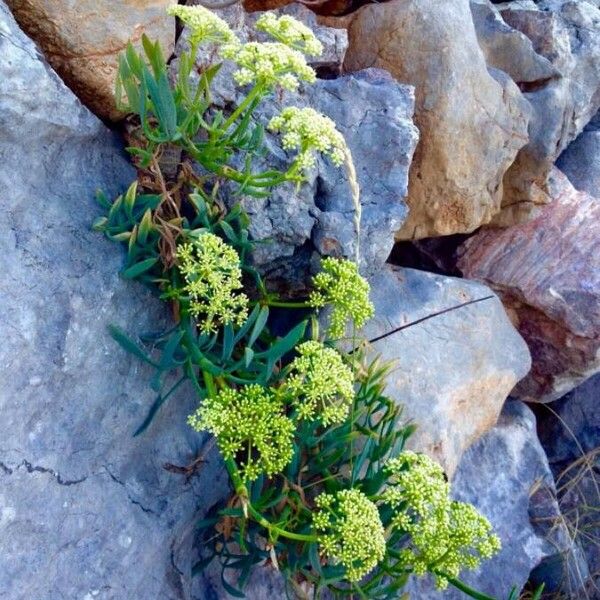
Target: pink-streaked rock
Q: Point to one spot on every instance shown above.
(547, 272)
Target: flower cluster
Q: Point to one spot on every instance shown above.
(350, 531)
(340, 284)
(320, 384)
(212, 274)
(291, 32)
(269, 64)
(251, 428)
(204, 25)
(445, 536)
(310, 132)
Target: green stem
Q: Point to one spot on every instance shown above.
(283, 304)
(299, 537)
(463, 587)
(254, 93)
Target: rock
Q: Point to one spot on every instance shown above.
(86, 510)
(455, 356)
(580, 162)
(456, 175)
(509, 50)
(547, 272)
(506, 476)
(570, 433)
(82, 40)
(567, 34)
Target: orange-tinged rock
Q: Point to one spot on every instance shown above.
(82, 40)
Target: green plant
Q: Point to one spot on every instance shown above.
(322, 488)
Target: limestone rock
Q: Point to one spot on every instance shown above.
(547, 272)
(455, 356)
(567, 34)
(580, 162)
(86, 511)
(471, 122)
(506, 476)
(82, 40)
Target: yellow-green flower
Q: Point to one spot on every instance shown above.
(309, 132)
(269, 64)
(251, 428)
(212, 274)
(340, 285)
(321, 385)
(350, 531)
(444, 535)
(204, 25)
(291, 32)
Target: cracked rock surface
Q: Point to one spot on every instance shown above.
(86, 511)
(454, 353)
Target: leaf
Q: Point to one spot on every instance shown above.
(139, 268)
(201, 565)
(146, 226)
(248, 356)
(129, 345)
(158, 402)
(285, 344)
(229, 588)
(249, 321)
(228, 339)
(163, 102)
(259, 325)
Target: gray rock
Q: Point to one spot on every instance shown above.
(570, 433)
(567, 34)
(580, 162)
(506, 476)
(455, 356)
(507, 49)
(86, 511)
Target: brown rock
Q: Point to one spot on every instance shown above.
(82, 40)
(547, 272)
(472, 121)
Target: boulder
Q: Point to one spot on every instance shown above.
(567, 34)
(506, 476)
(374, 112)
(508, 49)
(472, 121)
(82, 40)
(86, 510)
(580, 162)
(547, 272)
(455, 356)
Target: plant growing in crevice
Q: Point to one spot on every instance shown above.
(322, 488)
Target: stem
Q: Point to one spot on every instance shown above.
(254, 92)
(299, 537)
(283, 304)
(463, 587)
